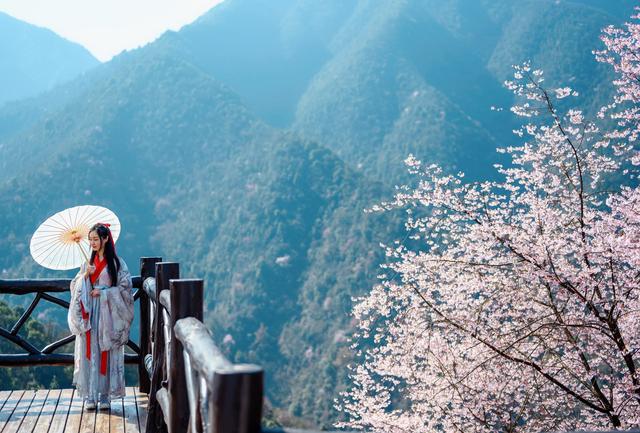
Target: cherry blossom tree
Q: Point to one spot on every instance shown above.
(516, 307)
(622, 53)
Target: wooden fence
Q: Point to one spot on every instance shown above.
(203, 391)
(45, 290)
(192, 387)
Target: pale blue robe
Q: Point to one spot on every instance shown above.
(110, 317)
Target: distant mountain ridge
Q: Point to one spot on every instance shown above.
(255, 211)
(342, 72)
(247, 145)
(34, 59)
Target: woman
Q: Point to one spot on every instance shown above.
(100, 315)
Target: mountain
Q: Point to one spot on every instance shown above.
(247, 145)
(375, 84)
(267, 51)
(420, 77)
(120, 126)
(195, 177)
(370, 79)
(302, 247)
(34, 59)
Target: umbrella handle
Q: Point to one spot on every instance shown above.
(83, 252)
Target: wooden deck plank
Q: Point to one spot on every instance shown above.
(116, 421)
(131, 423)
(142, 402)
(62, 411)
(48, 409)
(13, 423)
(74, 418)
(31, 419)
(102, 421)
(9, 406)
(4, 395)
(88, 421)
(59, 419)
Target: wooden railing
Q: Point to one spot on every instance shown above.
(44, 290)
(192, 387)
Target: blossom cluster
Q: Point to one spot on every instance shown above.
(516, 307)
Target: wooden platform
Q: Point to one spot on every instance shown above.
(61, 410)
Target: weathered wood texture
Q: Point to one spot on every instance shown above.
(147, 270)
(164, 298)
(131, 421)
(26, 286)
(186, 301)
(235, 392)
(296, 430)
(192, 386)
(45, 356)
(61, 411)
(23, 360)
(165, 271)
(149, 286)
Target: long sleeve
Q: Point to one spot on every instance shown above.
(77, 325)
(116, 311)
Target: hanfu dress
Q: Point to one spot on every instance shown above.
(101, 325)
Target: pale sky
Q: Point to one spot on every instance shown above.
(107, 27)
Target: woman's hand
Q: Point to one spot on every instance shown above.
(95, 293)
(90, 270)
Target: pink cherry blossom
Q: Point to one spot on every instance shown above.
(514, 305)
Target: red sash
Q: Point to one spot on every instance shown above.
(100, 265)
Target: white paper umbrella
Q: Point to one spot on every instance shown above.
(61, 241)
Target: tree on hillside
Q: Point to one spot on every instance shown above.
(519, 308)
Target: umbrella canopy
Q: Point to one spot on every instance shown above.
(61, 241)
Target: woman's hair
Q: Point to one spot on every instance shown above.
(113, 263)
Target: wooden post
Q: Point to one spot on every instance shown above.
(186, 301)
(147, 269)
(165, 271)
(235, 402)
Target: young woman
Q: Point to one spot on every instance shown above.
(100, 315)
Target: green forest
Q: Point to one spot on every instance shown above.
(248, 145)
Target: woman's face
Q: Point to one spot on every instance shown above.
(95, 242)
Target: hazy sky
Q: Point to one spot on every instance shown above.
(106, 27)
